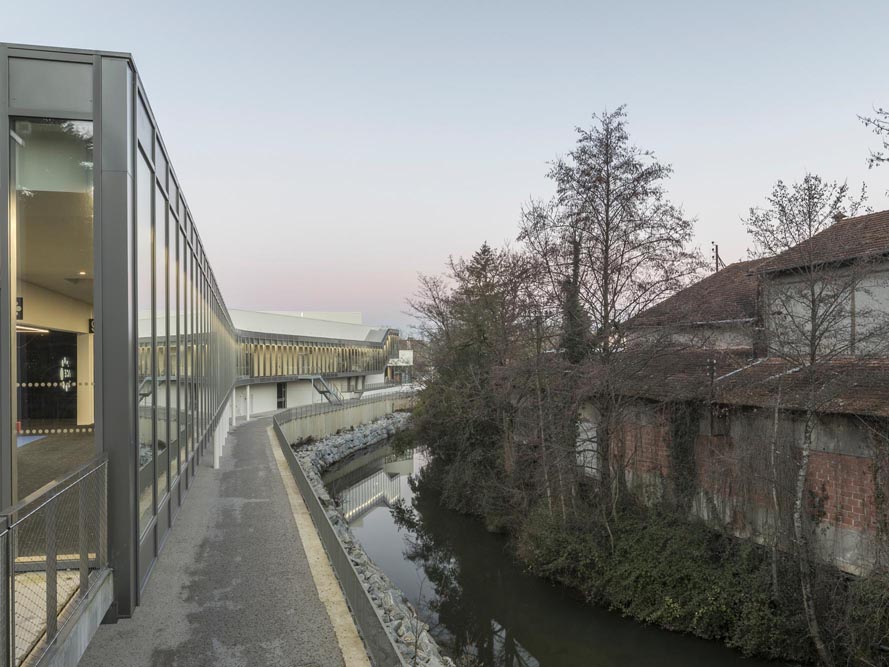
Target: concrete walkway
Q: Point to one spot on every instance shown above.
(232, 586)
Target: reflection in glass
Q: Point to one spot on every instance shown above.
(173, 348)
(144, 129)
(160, 337)
(189, 373)
(192, 363)
(181, 356)
(51, 173)
(146, 375)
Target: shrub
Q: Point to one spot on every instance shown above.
(669, 572)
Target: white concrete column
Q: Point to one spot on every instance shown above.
(248, 402)
(85, 378)
(217, 446)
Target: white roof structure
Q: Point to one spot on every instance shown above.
(349, 317)
(286, 324)
(307, 327)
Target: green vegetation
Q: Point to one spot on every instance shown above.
(675, 574)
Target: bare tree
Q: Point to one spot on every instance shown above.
(795, 213)
(611, 244)
(879, 124)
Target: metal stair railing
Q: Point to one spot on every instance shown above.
(327, 391)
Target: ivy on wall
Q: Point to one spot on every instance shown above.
(685, 420)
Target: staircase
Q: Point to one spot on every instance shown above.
(327, 391)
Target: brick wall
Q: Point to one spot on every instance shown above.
(735, 473)
(843, 489)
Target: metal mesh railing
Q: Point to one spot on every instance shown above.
(55, 548)
(377, 386)
(291, 414)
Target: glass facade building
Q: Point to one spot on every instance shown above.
(115, 341)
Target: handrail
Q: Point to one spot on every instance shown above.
(301, 411)
(55, 488)
(327, 390)
(377, 386)
(53, 550)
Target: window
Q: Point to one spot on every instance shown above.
(282, 395)
(162, 403)
(146, 375)
(51, 174)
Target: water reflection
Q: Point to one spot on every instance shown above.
(474, 597)
(374, 480)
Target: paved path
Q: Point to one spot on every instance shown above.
(232, 586)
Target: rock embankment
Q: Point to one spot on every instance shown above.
(410, 634)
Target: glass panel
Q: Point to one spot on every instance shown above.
(198, 369)
(52, 215)
(202, 289)
(174, 349)
(50, 85)
(183, 347)
(186, 347)
(144, 129)
(160, 165)
(174, 195)
(160, 303)
(146, 375)
(192, 355)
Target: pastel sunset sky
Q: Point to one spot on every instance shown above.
(330, 151)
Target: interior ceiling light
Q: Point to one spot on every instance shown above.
(83, 273)
(21, 328)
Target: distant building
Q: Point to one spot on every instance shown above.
(721, 311)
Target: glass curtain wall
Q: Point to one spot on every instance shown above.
(146, 372)
(51, 208)
(162, 437)
(187, 347)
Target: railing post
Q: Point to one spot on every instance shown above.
(11, 547)
(102, 541)
(5, 607)
(52, 580)
(83, 538)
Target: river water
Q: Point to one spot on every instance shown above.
(474, 596)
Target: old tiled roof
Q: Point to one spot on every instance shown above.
(864, 236)
(668, 373)
(729, 294)
(845, 386)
